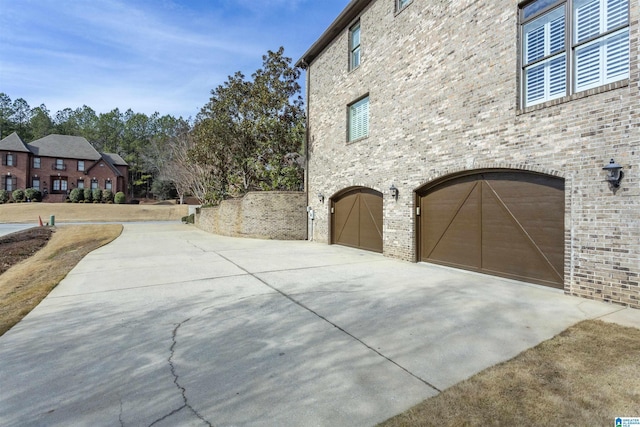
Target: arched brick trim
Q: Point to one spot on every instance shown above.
(345, 190)
(448, 174)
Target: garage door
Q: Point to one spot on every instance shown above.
(356, 219)
(509, 224)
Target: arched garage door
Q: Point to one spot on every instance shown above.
(504, 223)
(356, 219)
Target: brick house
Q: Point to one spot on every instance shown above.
(56, 164)
(474, 135)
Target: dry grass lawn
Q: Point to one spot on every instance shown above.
(586, 376)
(89, 212)
(25, 284)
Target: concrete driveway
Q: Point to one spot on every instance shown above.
(169, 325)
(13, 228)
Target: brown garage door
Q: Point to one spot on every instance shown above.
(356, 219)
(509, 224)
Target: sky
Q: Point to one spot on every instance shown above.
(150, 56)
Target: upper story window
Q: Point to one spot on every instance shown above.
(81, 165)
(354, 46)
(359, 119)
(561, 55)
(59, 165)
(9, 160)
(36, 162)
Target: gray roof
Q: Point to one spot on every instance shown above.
(64, 146)
(13, 143)
(114, 159)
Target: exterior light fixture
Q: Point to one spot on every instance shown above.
(394, 191)
(614, 174)
(321, 197)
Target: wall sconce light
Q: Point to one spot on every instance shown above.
(394, 191)
(614, 174)
(321, 197)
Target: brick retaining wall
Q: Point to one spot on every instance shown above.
(277, 215)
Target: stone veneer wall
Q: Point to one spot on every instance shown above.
(277, 215)
(442, 79)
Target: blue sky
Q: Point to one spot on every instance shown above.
(147, 55)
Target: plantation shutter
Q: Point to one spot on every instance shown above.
(359, 119)
(605, 59)
(545, 37)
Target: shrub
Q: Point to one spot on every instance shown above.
(4, 196)
(18, 195)
(120, 198)
(33, 194)
(107, 196)
(88, 195)
(189, 219)
(96, 195)
(76, 195)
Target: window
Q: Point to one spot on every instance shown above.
(36, 162)
(59, 184)
(81, 165)
(59, 165)
(35, 183)
(9, 182)
(400, 4)
(562, 56)
(354, 46)
(94, 184)
(359, 119)
(10, 160)
(80, 183)
(107, 184)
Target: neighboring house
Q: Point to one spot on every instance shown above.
(474, 135)
(56, 164)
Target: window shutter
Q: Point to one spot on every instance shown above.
(617, 13)
(359, 119)
(587, 20)
(617, 56)
(557, 77)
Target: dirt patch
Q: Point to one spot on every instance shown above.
(28, 281)
(19, 246)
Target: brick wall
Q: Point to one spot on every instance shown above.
(266, 215)
(442, 80)
(19, 170)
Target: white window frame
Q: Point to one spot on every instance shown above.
(355, 46)
(80, 184)
(81, 165)
(94, 184)
(358, 119)
(35, 180)
(561, 71)
(37, 162)
(108, 184)
(401, 4)
(10, 160)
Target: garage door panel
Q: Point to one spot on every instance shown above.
(442, 207)
(508, 248)
(511, 224)
(357, 219)
(457, 241)
(346, 221)
(371, 222)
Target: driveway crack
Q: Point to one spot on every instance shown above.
(176, 381)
